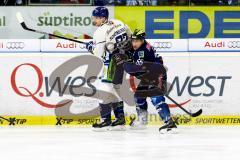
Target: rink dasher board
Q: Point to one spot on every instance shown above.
(160, 45)
(218, 108)
(183, 120)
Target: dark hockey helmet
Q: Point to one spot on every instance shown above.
(138, 34)
(100, 12)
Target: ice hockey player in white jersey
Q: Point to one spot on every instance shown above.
(106, 40)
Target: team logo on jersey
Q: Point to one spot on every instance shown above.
(139, 62)
(141, 54)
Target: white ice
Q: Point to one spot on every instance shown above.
(72, 143)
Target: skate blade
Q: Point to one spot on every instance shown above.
(118, 128)
(103, 129)
(167, 131)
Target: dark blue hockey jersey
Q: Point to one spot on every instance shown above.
(145, 53)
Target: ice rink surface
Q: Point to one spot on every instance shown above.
(72, 143)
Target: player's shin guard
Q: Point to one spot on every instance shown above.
(163, 112)
(142, 113)
(119, 122)
(105, 112)
(162, 107)
(118, 110)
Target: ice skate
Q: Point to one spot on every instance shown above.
(168, 127)
(118, 125)
(140, 124)
(102, 126)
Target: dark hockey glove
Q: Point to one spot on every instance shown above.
(90, 46)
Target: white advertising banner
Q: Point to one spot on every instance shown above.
(19, 45)
(169, 45)
(228, 44)
(210, 82)
(161, 46)
(38, 84)
(71, 22)
(58, 45)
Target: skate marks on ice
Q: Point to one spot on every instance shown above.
(61, 143)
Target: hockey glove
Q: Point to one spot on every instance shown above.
(90, 46)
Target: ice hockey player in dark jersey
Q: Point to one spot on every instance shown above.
(143, 52)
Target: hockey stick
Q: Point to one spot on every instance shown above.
(198, 113)
(4, 119)
(24, 26)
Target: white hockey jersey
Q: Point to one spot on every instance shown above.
(107, 35)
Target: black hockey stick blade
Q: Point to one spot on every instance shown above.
(24, 26)
(198, 113)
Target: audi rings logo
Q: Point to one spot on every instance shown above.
(82, 46)
(234, 44)
(15, 45)
(162, 45)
